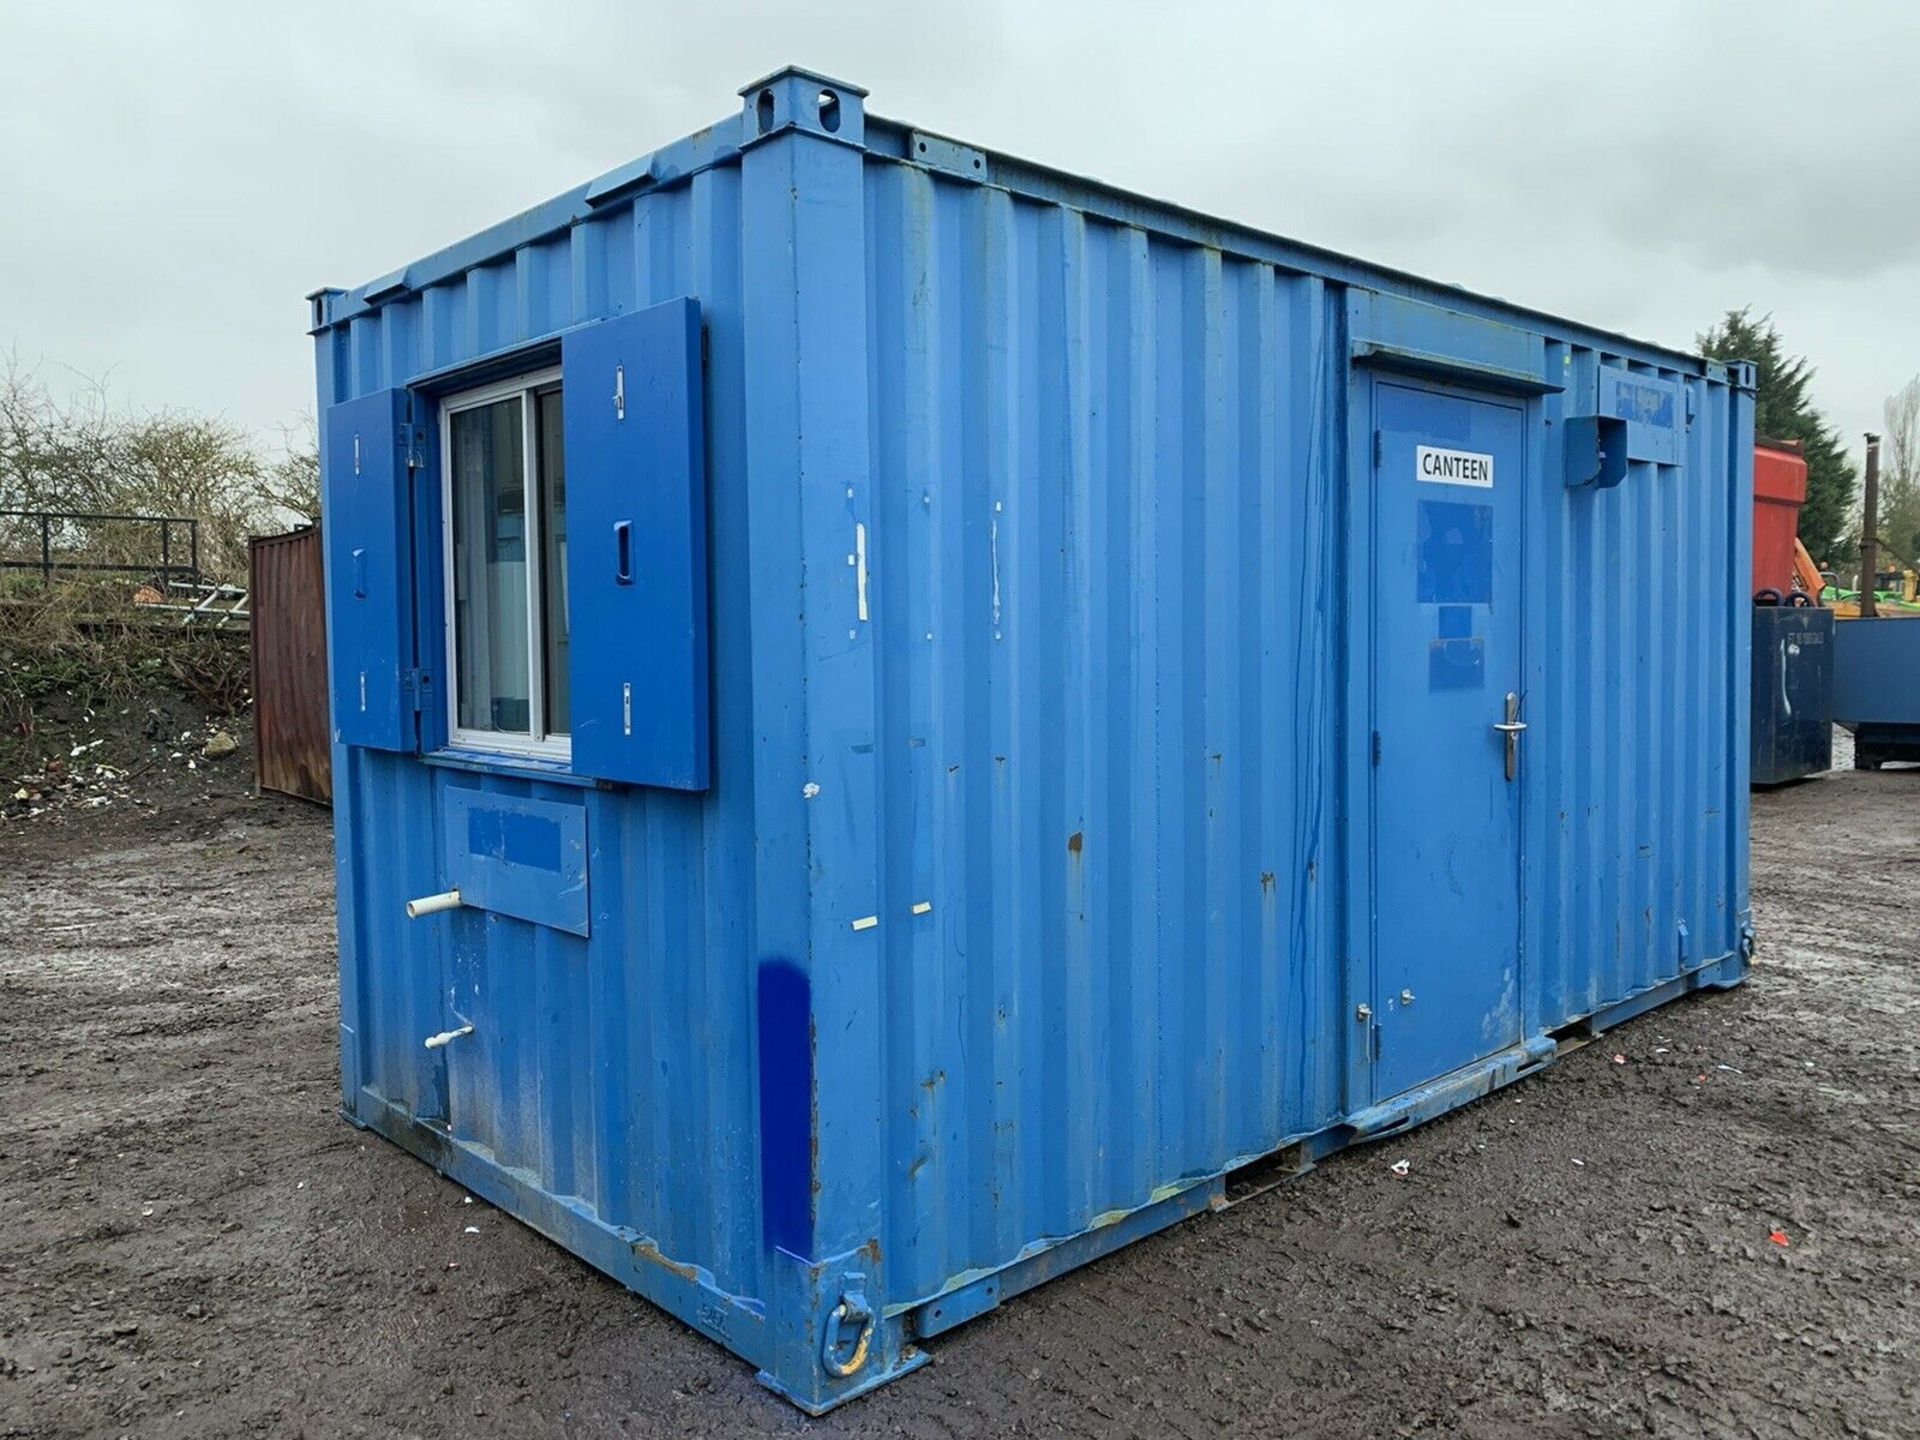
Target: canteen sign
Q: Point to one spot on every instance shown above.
(1453, 467)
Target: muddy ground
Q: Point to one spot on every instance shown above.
(192, 1243)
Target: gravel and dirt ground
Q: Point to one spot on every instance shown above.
(1718, 1237)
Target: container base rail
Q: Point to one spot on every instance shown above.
(886, 1345)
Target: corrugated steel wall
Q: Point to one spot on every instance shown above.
(287, 599)
(1104, 560)
(1109, 470)
(636, 1095)
(619, 1070)
(1639, 816)
(1106, 477)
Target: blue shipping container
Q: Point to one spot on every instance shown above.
(947, 707)
(1876, 688)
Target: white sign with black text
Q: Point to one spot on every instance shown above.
(1453, 467)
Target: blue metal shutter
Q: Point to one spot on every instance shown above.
(366, 493)
(637, 533)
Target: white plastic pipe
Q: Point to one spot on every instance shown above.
(433, 904)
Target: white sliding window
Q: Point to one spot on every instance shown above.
(506, 563)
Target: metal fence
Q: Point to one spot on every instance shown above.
(66, 535)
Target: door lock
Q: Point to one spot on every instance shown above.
(1511, 728)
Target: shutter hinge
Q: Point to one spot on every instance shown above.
(413, 685)
(412, 440)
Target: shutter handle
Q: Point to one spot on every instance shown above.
(623, 552)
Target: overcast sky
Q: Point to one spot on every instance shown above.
(176, 176)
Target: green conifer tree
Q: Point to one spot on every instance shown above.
(1784, 410)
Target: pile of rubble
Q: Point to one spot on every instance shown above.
(78, 781)
(69, 783)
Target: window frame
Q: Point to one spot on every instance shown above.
(536, 744)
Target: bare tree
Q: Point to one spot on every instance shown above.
(78, 454)
(1900, 474)
(292, 482)
(52, 453)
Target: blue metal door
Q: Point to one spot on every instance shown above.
(1448, 491)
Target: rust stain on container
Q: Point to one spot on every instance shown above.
(292, 744)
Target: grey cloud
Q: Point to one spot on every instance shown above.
(180, 174)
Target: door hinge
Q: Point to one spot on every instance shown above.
(413, 685)
(1378, 447)
(1370, 1038)
(1376, 747)
(412, 440)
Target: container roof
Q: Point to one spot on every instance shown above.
(722, 142)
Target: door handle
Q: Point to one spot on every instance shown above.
(1510, 729)
(623, 552)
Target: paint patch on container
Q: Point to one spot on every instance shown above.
(1647, 402)
(1457, 664)
(516, 839)
(786, 1107)
(1454, 553)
